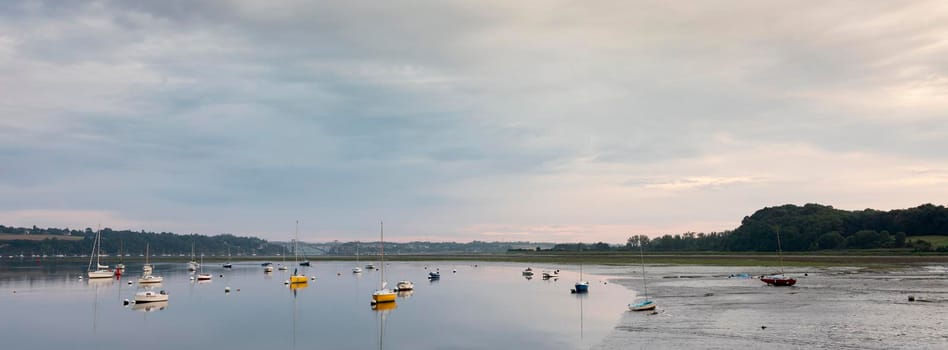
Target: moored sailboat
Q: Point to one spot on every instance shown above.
(581, 286)
(147, 277)
(297, 277)
(778, 280)
(203, 276)
(357, 269)
(192, 265)
(228, 265)
(100, 271)
(646, 304)
(382, 295)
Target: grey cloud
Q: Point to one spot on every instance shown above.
(357, 107)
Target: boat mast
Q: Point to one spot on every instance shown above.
(296, 245)
(779, 255)
(95, 241)
(642, 255)
(382, 253)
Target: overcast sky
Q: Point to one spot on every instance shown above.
(490, 120)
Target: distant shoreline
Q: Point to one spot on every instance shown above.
(696, 258)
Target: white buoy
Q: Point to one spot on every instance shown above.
(286, 282)
(226, 289)
(80, 277)
(126, 302)
(129, 282)
(455, 271)
(312, 278)
(191, 278)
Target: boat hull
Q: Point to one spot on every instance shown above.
(383, 297)
(298, 279)
(150, 297)
(582, 287)
(778, 281)
(643, 306)
(100, 274)
(150, 279)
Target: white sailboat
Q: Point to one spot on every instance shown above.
(357, 269)
(147, 277)
(193, 265)
(100, 271)
(646, 304)
(147, 268)
(203, 276)
(382, 295)
(283, 265)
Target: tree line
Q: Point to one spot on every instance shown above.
(64, 241)
(803, 228)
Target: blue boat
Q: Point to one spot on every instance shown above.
(581, 286)
(434, 275)
(642, 306)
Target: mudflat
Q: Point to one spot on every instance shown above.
(704, 307)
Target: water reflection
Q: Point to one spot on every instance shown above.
(150, 307)
(405, 293)
(581, 297)
(299, 285)
(263, 312)
(382, 311)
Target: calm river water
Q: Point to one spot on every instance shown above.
(44, 305)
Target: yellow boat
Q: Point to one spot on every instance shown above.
(382, 295)
(297, 276)
(300, 285)
(298, 279)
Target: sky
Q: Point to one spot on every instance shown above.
(544, 120)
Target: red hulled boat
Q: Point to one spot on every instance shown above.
(778, 280)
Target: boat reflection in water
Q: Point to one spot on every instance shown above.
(405, 293)
(150, 307)
(384, 306)
(298, 285)
(382, 311)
